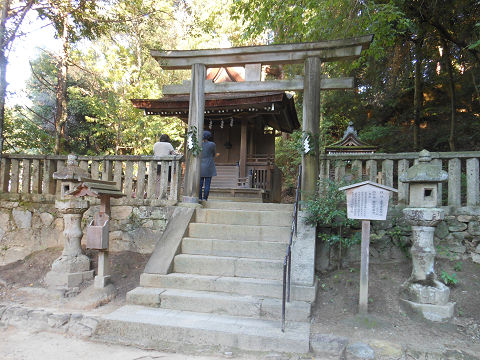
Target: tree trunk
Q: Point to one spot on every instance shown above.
(61, 91)
(451, 87)
(418, 94)
(3, 67)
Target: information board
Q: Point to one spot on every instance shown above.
(367, 202)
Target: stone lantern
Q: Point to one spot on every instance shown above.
(72, 267)
(422, 292)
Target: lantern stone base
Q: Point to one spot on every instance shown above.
(69, 271)
(68, 280)
(437, 313)
(436, 293)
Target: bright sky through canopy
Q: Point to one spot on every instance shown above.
(39, 35)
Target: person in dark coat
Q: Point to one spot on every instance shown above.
(207, 165)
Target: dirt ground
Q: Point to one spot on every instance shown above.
(337, 299)
(335, 311)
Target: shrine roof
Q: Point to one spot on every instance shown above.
(350, 143)
(275, 109)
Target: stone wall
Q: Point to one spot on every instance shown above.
(29, 226)
(456, 238)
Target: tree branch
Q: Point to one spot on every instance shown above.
(42, 81)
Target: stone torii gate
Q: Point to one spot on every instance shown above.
(252, 58)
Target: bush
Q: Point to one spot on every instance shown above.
(329, 209)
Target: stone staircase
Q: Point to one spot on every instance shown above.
(227, 177)
(225, 288)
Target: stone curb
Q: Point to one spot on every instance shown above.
(324, 346)
(332, 347)
(75, 324)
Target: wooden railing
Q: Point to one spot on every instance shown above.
(462, 188)
(136, 176)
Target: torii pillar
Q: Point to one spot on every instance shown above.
(191, 186)
(311, 125)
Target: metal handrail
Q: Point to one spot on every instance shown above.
(287, 262)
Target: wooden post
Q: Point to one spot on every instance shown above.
(195, 121)
(311, 116)
(363, 299)
(243, 149)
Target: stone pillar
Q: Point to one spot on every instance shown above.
(311, 119)
(72, 267)
(422, 292)
(303, 253)
(195, 122)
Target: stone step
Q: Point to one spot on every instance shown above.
(171, 330)
(227, 284)
(243, 217)
(239, 232)
(237, 248)
(219, 303)
(222, 198)
(228, 266)
(237, 205)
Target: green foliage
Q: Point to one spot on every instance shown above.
(328, 208)
(382, 108)
(449, 279)
(458, 266)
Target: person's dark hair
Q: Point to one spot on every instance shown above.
(207, 135)
(164, 138)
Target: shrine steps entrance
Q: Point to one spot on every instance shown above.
(224, 288)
